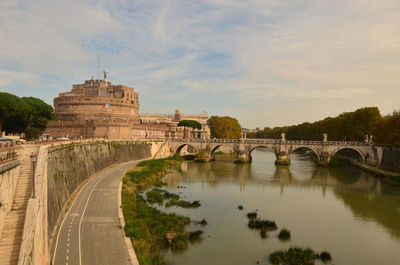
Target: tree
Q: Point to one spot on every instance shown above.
(12, 112)
(28, 114)
(190, 123)
(387, 130)
(224, 127)
(350, 126)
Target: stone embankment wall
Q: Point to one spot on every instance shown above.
(9, 173)
(390, 159)
(60, 170)
(71, 164)
(10, 160)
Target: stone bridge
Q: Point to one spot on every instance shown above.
(282, 148)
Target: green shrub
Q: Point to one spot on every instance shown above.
(159, 183)
(154, 196)
(179, 242)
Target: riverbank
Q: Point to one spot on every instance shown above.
(150, 229)
(340, 160)
(376, 171)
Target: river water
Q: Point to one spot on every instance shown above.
(344, 211)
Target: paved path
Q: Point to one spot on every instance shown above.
(90, 233)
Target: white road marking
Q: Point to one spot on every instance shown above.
(74, 214)
(83, 213)
(65, 218)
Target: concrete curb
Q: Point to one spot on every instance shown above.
(128, 241)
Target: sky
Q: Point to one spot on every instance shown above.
(264, 62)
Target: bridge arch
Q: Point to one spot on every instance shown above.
(179, 148)
(307, 147)
(361, 154)
(214, 149)
(262, 146)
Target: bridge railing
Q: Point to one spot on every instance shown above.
(273, 141)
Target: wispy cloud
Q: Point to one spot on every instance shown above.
(265, 62)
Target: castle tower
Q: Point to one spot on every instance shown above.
(178, 115)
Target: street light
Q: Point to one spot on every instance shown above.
(33, 159)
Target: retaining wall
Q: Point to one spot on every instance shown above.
(71, 164)
(390, 159)
(60, 170)
(9, 173)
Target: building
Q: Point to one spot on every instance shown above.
(99, 109)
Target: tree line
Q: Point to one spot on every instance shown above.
(348, 126)
(26, 115)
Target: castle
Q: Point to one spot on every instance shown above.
(99, 109)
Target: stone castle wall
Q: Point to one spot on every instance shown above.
(98, 109)
(81, 108)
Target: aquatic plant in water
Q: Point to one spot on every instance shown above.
(252, 215)
(183, 204)
(262, 224)
(149, 228)
(297, 256)
(202, 222)
(263, 233)
(284, 235)
(154, 196)
(159, 183)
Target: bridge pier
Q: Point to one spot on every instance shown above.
(324, 159)
(282, 158)
(282, 153)
(242, 157)
(203, 156)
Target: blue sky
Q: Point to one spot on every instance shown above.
(265, 62)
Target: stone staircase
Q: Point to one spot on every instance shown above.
(11, 235)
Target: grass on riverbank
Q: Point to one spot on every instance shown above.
(149, 228)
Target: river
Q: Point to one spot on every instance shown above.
(344, 211)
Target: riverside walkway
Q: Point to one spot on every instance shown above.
(90, 232)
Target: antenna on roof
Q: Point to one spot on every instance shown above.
(98, 67)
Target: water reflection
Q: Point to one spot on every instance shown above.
(342, 210)
(366, 196)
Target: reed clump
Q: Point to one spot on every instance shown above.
(298, 256)
(284, 235)
(252, 215)
(262, 224)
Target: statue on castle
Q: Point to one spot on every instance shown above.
(105, 74)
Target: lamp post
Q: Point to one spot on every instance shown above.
(33, 159)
